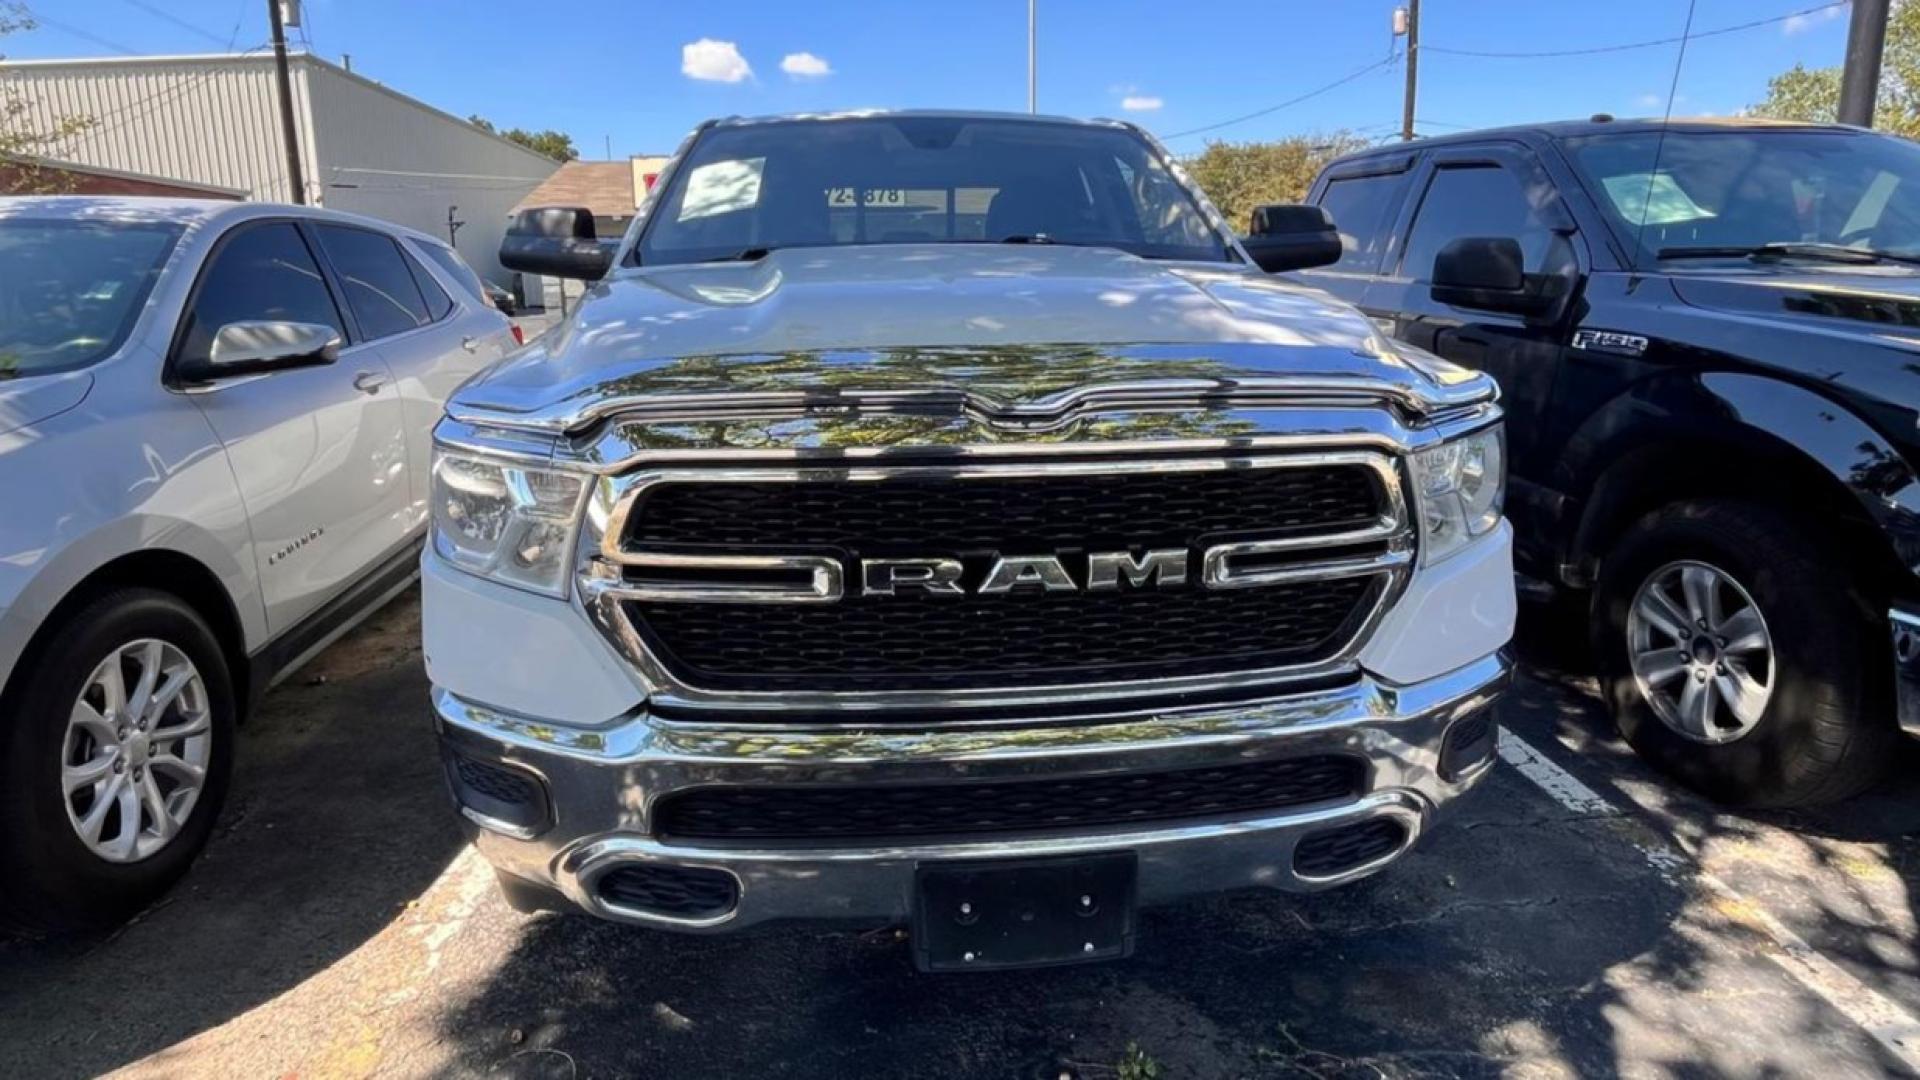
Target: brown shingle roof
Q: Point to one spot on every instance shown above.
(604, 187)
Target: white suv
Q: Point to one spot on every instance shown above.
(214, 440)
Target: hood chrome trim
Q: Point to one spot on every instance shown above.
(1042, 413)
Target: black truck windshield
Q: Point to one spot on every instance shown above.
(746, 190)
(1723, 193)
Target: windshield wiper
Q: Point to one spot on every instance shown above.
(1036, 238)
(1839, 253)
(752, 254)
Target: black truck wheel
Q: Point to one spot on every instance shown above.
(114, 766)
(1735, 657)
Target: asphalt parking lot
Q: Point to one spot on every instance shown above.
(1575, 917)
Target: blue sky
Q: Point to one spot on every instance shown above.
(604, 69)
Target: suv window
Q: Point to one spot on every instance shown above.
(439, 304)
(1362, 209)
(380, 289)
(70, 291)
(261, 272)
(1474, 200)
(456, 267)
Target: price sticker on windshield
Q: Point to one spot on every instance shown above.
(843, 197)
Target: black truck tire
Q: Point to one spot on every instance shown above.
(51, 879)
(1826, 725)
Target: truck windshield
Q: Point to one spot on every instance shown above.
(71, 290)
(1728, 192)
(911, 180)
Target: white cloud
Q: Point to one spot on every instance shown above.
(805, 65)
(1800, 24)
(1140, 103)
(714, 61)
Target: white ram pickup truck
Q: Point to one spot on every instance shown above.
(944, 520)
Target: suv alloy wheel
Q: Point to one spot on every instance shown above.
(114, 761)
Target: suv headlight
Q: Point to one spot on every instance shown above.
(507, 522)
(1460, 486)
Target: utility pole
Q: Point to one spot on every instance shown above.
(1413, 69)
(294, 176)
(1860, 81)
(1033, 58)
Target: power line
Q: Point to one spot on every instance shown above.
(1309, 95)
(1755, 24)
(168, 16)
(42, 20)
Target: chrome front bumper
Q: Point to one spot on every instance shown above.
(602, 784)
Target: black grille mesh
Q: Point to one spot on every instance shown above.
(684, 891)
(921, 642)
(811, 814)
(496, 783)
(1016, 515)
(1338, 850)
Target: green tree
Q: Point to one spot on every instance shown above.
(21, 140)
(557, 145)
(1813, 94)
(1241, 176)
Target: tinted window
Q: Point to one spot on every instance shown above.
(923, 180)
(261, 272)
(439, 304)
(449, 260)
(1362, 208)
(1747, 188)
(71, 290)
(380, 288)
(1479, 200)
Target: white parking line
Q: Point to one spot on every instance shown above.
(1893, 1027)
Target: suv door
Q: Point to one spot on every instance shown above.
(1489, 191)
(318, 452)
(1363, 198)
(430, 343)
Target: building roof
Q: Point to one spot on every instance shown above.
(604, 187)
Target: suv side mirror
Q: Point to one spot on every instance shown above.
(1487, 273)
(557, 241)
(1292, 237)
(258, 346)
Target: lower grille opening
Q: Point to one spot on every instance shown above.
(802, 816)
(1469, 743)
(686, 892)
(1336, 851)
(502, 794)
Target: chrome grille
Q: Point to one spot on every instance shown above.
(743, 586)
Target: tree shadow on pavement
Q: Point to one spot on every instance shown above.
(337, 820)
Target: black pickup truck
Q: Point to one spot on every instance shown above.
(1708, 335)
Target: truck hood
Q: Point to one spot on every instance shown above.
(33, 398)
(1001, 327)
(1872, 298)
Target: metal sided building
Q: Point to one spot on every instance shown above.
(214, 120)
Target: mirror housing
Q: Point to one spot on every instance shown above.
(1292, 237)
(557, 241)
(259, 346)
(1488, 273)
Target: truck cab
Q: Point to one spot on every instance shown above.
(1705, 336)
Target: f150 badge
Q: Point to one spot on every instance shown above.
(1610, 341)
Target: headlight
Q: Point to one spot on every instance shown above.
(1460, 486)
(504, 521)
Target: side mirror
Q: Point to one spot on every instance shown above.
(1488, 273)
(1292, 237)
(256, 347)
(557, 241)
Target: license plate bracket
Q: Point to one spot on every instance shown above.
(1014, 913)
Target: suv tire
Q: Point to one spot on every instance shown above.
(1824, 729)
(51, 879)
